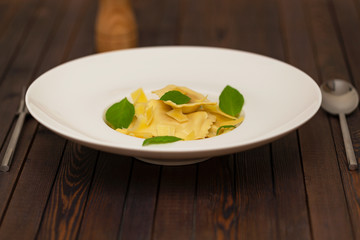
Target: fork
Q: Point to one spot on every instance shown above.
(21, 113)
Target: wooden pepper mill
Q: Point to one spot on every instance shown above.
(115, 26)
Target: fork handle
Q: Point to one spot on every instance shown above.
(353, 165)
(5, 165)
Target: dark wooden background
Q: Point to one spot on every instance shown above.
(295, 188)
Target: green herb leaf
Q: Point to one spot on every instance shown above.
(120, 114)
(225, 126)
(176, 97)
(160, 140)
(231, 101)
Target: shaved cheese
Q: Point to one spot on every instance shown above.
(139, 96)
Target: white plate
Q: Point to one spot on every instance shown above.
(71, 98)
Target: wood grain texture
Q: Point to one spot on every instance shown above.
(198, 22)
(69, 194)
(82, 41)
(331, 62)
(140, 202)
(11, 85)
(257, 27)
(255, 195)
(216, 206)
(326, 198)
(295, 188)
(21, 72)
(348, 23)
(292, 211)
(8, 11)
(9, 180)
(22, 69)
(322, 179)
(57, 44)
(175, 203)
(102, 216)
(61, 41)
(10, 40)
(158, 21)
(24, 213)
(148, 19)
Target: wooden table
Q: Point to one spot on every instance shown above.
(298, 187)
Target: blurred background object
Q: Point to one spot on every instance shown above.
(116, 26)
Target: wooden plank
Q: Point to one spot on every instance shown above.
(196, 23)
(215, 206)
(331, 62)
(24, 66)
(65, 209)
(7, 13)
(73, 181)
(104, 208)
(326, 200)
(289, 189)
(52, 57)
(82, 42)
(255, 195)
(255, 25)
(57, 43)
(15, 32)
(63, 34)
(24, 212)
(175, 203)
(305, 37)
(347, 15)
(157, 21)
(148, 17)
(140, 202)
(9, 179)
(17, 77)
(168, 27)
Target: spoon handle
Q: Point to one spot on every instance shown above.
(353, 165)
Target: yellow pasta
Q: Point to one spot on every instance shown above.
(197, 119)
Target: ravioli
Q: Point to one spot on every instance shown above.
(196, 99)
(197, 119)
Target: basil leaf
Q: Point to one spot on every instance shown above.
(231, 101)
(160, 140)
(176, 97)
(120, 114)
(225, 126)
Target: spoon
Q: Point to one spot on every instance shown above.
(340, 97)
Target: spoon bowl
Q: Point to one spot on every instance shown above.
(339, 97)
